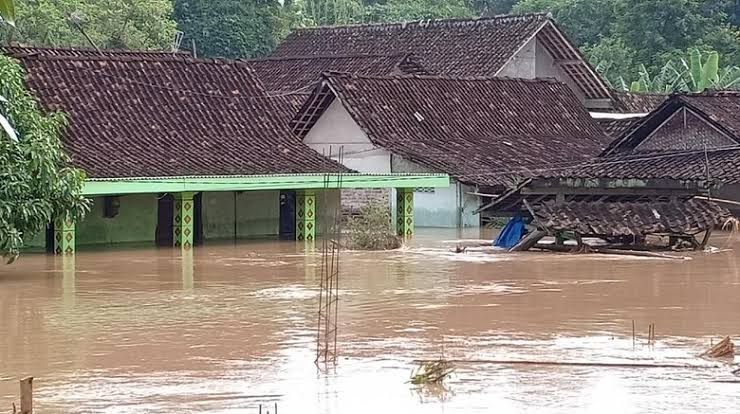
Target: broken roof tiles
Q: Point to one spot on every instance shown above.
(144, 114)
(478, 130)
(630, 219)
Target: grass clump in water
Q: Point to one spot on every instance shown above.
(371, 229)
(431, 372)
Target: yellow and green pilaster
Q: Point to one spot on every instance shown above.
(405, 212)
(305, 215)
(64, 236)
(183, 217)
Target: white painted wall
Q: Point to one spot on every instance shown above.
(448, 207)
(534, 61)
(523, 64)
(335, 129)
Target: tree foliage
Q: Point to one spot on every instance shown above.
(7, 11)
(698, 73)
(232, 28)
(129, 24)
(410, 10)
(38, 184)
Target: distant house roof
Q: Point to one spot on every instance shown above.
(615, 128)
(632, 102)
(302, 73)
(455, 47)
(144, 114)
(713, 165)
(712, 120)
(479, 130)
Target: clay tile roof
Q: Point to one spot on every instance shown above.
(614, 128)
(724, 165)
(465, 47)
(302, 73)
(631, 102)
(476, 129)
(630, 219)
(144, 114)
(456, 47)
(719, 108)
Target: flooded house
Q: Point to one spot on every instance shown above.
(178, 151)
(517, 46)
(483, 132)
(675, 159)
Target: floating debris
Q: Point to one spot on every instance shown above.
(431, 372)
(724, 349)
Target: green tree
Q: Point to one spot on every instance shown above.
(38, 183)
(491, 7)
(232, 28)
(585, 21)
(329, 12)
(409, 10)
(131, 24)
(700, 72)
(7, 11)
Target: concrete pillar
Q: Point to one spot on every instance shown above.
(64, 236)
(305, 215)
(183, 217)
(405, 212)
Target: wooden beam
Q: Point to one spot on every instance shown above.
(529, 241)
(609, 191)
(27, 395)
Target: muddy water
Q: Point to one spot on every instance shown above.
(233, 327)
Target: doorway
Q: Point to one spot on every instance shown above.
(287, 214)
(165, 215)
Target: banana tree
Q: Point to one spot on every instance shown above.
(701, 75)
(7, 11)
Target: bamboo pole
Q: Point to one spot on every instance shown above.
(572, 363)
(27, 395)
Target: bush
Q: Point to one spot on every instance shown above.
(371, 229)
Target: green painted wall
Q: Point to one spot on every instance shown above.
(257, 214)
(136, 222)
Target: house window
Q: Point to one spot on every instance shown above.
(429, 190)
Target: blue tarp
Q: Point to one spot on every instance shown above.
(512, 232)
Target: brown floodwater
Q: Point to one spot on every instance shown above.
(234, 326)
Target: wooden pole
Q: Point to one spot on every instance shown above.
(529, 241)
(27, 395)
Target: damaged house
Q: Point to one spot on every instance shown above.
(652, 173)
(483, 132)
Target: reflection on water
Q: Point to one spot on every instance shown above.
(230, 327)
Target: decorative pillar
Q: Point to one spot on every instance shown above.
(64, 236)
(182, 224)
(305, 215)
(405, 212)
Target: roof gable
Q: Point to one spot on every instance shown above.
(475, 129)
(455, 47)
(685, 121)
(158, 114)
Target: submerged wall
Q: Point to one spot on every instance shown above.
(447, 207)
(245, 214)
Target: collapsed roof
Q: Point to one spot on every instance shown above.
(151, 114)
(688, 217)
